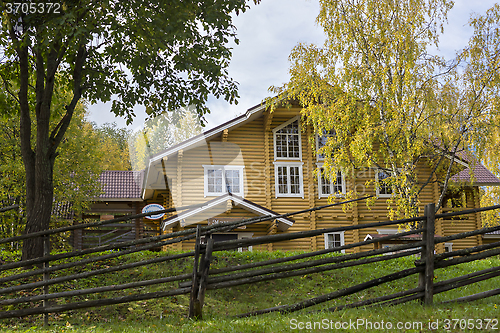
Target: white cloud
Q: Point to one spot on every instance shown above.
(267, 33)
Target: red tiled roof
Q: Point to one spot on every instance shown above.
(121, 184)
(482, 176)
(63, 210)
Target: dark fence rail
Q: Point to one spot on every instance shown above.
(4, 209)
(203, 278)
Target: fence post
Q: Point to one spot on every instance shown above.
(426, 278)
(194, 305)
(204, 267)
(46, 276)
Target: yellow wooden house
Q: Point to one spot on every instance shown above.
(262, 163)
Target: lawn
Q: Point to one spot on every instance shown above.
(170, 314)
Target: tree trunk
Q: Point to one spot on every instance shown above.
(39, 161)
(40, 210)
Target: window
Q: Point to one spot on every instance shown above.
(448, 247)
(287, 143)
(321, 142)
(334, 239)
(383, 189)
(326, 187)
(223, 179)
(288, 179)
(245, 236)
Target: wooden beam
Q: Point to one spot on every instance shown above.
(194, 304)
(268, 149)
(88, 304)
(474, 297)
(355, 217)
(479, 223)
(439, 222)
(311, 192)
(313, 254)
(426, 278)
(204, 270)
(178, 202)
(376, 300)
(335, 294)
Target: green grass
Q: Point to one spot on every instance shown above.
(170, 314)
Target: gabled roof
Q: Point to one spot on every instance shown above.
(123, 185)
(482, 176)
(201, 139)
(283, 222)
(249, 115)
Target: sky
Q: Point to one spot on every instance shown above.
(267, 33)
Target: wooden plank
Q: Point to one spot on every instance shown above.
(311, 185)
(194, 304)
(428, 239)
(466, 234)
(313, 263)
(479, 223)
(315, 269)
(226, 245)
(464, 281)
(401, 300)
(84, 274)
(355, 217)
(474, 297)
(472, 257)
(268, 117)
(46, 276)
(90, 304)
(95, 290)
(336, 294)
(89, 225)
(322, 252)
(4, 209)
(467, 251)
(377, 299)
(204, 270)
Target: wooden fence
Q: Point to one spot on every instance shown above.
(203, 278)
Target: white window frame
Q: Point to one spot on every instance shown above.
(448, 247)
(241, 168)
(301, 179)
(246, 235)
(286, 123)
(381, 195)
(318, 157)
(320, 185)
(342, 239)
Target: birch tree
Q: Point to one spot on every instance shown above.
(390, 102)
